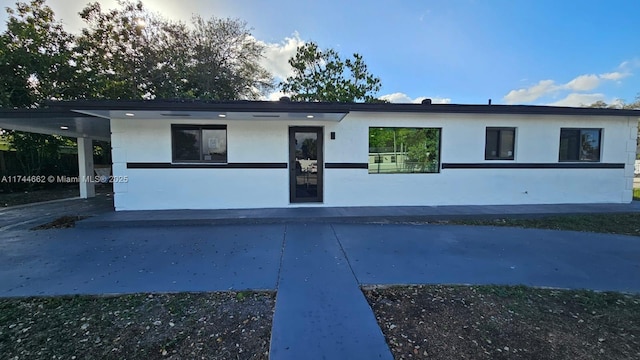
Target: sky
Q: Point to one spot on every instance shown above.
(538, 52)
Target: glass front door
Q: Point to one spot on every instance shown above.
(305, 164)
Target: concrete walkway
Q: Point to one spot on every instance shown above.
(321, 312)
(342, 214)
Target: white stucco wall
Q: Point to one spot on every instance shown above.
(463, 141)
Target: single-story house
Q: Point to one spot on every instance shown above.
(263, 154)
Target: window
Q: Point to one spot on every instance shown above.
(580, 144)
(404, 150)
(193, 143)
(499, 143)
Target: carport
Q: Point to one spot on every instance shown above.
(63, 122)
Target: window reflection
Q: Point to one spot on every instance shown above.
(404, 150)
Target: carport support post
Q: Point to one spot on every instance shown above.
(85, 165)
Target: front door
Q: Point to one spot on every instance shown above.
(305, 164)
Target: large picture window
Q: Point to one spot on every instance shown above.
(193, 143)
(580, 144)
(499, 143)
(404, 150)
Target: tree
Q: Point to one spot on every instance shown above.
(130, 53)
(35, 57)
(635, 105)
(321, 75)
(36, 64)
(225, 61)
(119, 50)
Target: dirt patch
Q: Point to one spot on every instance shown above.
(499, 322)
(230, 325)
(63, 222)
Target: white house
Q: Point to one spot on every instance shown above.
(244, 154)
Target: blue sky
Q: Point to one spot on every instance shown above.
(557, 52)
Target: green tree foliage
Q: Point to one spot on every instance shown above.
(35, 151)
(36, 64)
(321, 75)
(130, 53)
(225, 61)
(35, 57)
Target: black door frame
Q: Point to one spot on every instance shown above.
(292, 163)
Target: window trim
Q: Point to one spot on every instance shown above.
(600, 131)
(200, 128)
(498, 157)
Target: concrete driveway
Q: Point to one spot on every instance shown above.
(222, 257)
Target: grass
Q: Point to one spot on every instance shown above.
(624, 224)
(139, 326)
(506, 322)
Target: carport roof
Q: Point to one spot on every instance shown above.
(90, 118)
(55, 121)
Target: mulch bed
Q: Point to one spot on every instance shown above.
(229, 325)
(500, 322)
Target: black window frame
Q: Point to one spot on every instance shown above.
(499, 129)
(199, 128)
(579, 145)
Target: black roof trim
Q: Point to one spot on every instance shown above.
(301, 107)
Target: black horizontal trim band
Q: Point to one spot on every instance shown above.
(142, 165)
(346, 165)
(585, 165)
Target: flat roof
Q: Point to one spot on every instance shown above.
(325, 107)
(90, 118)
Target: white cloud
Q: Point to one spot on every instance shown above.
(616, 75)
(276, 56)
(531, 93)
(583, 83)
(580, 83)
(275, 96)
(627, 65)
(403, 98)
(577, 99)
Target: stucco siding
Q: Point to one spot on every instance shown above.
(462, 141)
